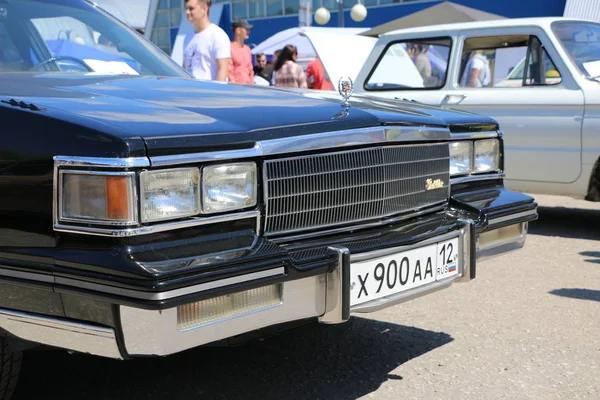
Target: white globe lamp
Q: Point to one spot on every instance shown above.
(322, 16)
(358, 12)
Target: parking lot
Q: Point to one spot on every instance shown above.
(526, 328)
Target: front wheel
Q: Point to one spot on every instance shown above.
(10, 365)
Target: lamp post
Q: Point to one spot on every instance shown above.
(358, 13)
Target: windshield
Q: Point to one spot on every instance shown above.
(74, 36)
(582, 42)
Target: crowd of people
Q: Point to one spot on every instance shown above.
(208, 54)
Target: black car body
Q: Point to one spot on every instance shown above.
(145, 215)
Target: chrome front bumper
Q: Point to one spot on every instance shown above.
(325, 296)
(156, 333)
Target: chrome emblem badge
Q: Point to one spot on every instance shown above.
(345, 89)
(430, 184)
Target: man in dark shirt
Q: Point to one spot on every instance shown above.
(262, 69)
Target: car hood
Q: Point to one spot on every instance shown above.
(184, 115)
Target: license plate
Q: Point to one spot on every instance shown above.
(396, 273)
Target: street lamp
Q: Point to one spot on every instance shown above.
(358, 13)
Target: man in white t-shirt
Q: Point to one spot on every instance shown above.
(207, 50)
(477, 71)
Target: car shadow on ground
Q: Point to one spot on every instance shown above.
(344, 361)
(581, 294)
(594, 256)
(567, 222)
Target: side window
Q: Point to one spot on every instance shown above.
(415, 64)
(71, 40)
(10, 59)
(506, 61)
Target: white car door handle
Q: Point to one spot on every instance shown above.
(454, 98)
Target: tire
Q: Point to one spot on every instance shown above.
(594, 188)
(10, 365)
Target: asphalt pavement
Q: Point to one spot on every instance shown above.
(527, 328)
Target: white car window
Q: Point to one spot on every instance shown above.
(506, 61)
(414, 64)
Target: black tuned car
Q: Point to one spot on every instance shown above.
(143, 213)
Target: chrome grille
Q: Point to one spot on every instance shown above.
(333, 189)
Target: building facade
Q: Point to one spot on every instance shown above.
(272, 16)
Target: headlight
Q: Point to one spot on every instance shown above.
(107, 198)
(228, 187)
(169, 194)
(460, 158)
(487, 156)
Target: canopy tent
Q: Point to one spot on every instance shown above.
(294, 36)
(443, 13)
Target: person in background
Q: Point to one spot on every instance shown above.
(276, 54)
(240, 63)
(288, 72)
(421, 60)
(207, 50)
(477, 71)
(315, 74)
(262, 69)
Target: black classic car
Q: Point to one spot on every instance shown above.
(143, 213)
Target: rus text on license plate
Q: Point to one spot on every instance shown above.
(398, 272)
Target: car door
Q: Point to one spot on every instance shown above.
(529, 92)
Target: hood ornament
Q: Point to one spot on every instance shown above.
(345, 89)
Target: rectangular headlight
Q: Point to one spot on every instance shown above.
(169, 194)
(460, 158)
(228, 187)
(487, 155)
(97, 197)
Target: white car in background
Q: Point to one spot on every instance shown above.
(543, 89)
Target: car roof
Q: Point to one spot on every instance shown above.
(490, 24)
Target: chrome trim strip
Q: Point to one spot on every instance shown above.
(145, 230)
(474, 135)
(475, 178)
(385, 221)
(465, 242)
(138, 294)
(316, 141)
(75, 161)
(30, 276)
(80, 337)
(511, 217)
